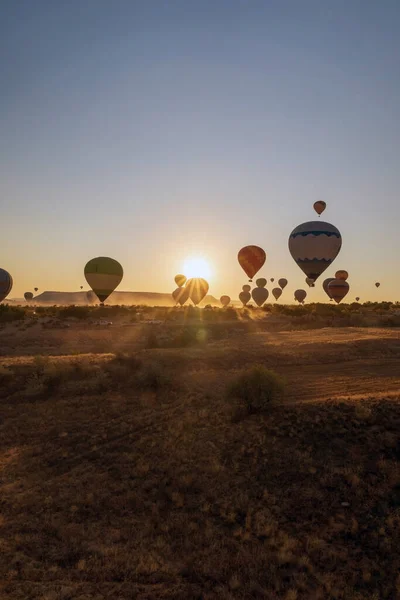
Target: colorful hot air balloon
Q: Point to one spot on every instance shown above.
(181, 295)
(28, 296)
(277, 292)
(260, 295)
(246, 288)
(245, 297)
(283, 282)
(314, 246)
(341, 275)
(338, 288)
(198, 288)
(319, 207)
(357, 299)
(326, 284)
(261, 282)
(225, 300)
(377, 284)
(251, 259)
(310, 282)
(300, 295)
(180, 280)
(6, 283)
(104, 275)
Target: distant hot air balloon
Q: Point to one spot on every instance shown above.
(260, 282)
(314, 246)
(310, 282)
(245, 297)
(260, 295)
(338, 288)
(377, 284)
(277, 292)
(272, 280)
(28, 296)
(325, 285)
(357, 299)
(6, 283)
(198, 288)
(104, 275)
(81, 287)
(246, 288)
(283, 282)
(341, 275)
(319, 207)
(251, 259)
(36, 289)
(300, 295)
(180, 280)
(225, 300)
(181, 295)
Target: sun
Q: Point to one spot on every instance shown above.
(196, 267)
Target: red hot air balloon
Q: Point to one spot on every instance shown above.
(251, 259)
(319, 207)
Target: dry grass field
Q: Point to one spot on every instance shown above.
(131, 470)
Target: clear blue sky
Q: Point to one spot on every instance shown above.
(154, 130)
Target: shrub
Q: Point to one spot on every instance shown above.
(78, 312)
(11, 313)
(256, 388)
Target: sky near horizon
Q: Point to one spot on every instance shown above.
(152, 131)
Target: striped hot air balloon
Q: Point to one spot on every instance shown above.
(251, 259)
(104, 275)
(314, 246)
(338, 289)
(325, 285)
(6, 283)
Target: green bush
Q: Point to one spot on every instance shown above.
(256, 388)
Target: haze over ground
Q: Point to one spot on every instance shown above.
(151, 132)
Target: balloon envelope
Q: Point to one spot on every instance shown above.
(319, 206)
(310, 282)
(377, 284)
(314, 246)
(198, 288)
(246, 288)
(283, 282)
(357, 299)
(251, 259)
(272, 280)
(260, 295)
(36, 289)
(244, 297)
(181, 295)
(341, 275)
(225, 300)
(261, 282)
(103, 274)
(180, 280)
(300, 295)
(325, 286)
(338, 288)
(28, 296)
(277, 293)
(6, 283)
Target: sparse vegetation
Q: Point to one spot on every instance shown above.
(256, 388)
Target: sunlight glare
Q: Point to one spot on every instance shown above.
(196, 267)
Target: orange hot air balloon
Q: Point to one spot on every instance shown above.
(245, 297)
(319, 207)
(277, 293)
(300, 296)
(338, 289)
(251, 259)
(180, 280)
(283, 282)
(260, 295)
(180, 295)
(341, 275)
(225, 300)
(198, 288)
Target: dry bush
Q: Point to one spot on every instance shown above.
(256, 388)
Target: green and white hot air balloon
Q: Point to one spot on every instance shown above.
(104, 275)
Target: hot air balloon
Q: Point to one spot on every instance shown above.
(314, 246)
(225, 300)
(81, 287)
(272, 280)
(377, 284)
(104, 275)
(36, 289)
(180, 280)
(310, 282)
(338, 288)
(357, 299)
(251, 259)
(341, 275)
(6, 283)
(245, 297)
(198, 288)
(181, 295)
(246, 288)
(326, 284)
(260, 283)
(28, 296)
(283, 282)
(319, 207)
(260, 295)
(277, 292)
(300, 295)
